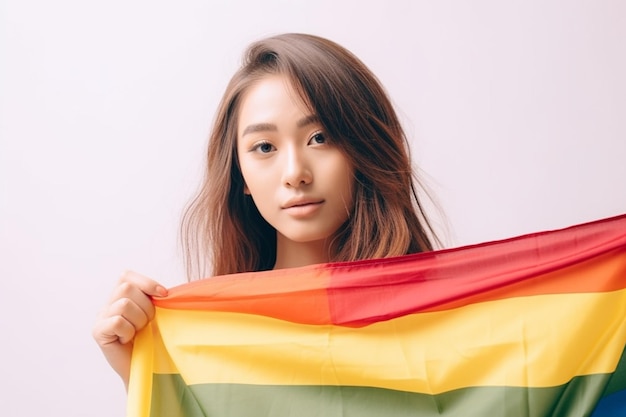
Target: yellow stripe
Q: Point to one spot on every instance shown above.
(140, 382)
(534, 341)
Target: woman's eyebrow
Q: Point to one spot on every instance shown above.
(259, 127)
(270, 127)
(308, 120)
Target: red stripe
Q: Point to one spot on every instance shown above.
(585, 258)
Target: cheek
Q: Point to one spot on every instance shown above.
(344, 179)
(244, 179)
(249, 184)
(256, 182)
(345, 174)
(247, 170)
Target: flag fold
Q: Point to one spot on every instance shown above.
(529, 326)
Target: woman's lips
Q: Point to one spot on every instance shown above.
(304, 208)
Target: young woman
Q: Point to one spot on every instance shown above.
(307, 163)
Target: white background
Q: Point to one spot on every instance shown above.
(516, 111)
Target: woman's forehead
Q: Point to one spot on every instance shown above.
(271, 97)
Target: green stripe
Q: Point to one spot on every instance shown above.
(618, 378)
(172, 398)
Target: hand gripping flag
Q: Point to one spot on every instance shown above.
(529, 326)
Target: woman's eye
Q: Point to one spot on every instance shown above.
(263, 147)
(318, 139)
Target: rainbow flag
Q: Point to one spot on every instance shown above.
(530, 326)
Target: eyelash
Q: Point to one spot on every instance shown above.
(319, 134)
(257, 146)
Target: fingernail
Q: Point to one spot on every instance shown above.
(161, 291)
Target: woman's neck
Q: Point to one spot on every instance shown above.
(290, 254)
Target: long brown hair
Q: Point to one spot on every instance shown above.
(222, 227)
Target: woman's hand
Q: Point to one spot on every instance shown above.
(128, 311)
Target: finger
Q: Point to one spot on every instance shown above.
(137, 315)
(112, 330)
(145, 284)
(134, 295)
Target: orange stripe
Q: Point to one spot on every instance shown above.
(299, 292)
(586, 258)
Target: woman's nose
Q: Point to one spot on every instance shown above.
(297, 171)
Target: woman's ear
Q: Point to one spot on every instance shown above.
(246, 190)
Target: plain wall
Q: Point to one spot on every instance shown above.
(516, 112)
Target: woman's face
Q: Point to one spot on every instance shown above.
(300, 182)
